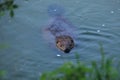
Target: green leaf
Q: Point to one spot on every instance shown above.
(11, 13)
(2, 13)
(15, 6)
(2, 73)
(3, 46)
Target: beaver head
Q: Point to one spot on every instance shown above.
(64, 43)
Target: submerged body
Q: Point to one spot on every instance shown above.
(60, 29)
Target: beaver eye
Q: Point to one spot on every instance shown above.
(57, 42)
(70, 45)
(61, 45)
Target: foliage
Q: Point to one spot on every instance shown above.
(69, 71)
(3, 46)
(2, 74)
(7, 5)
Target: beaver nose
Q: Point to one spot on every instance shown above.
(67, 50)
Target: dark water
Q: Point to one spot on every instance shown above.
(27, 54)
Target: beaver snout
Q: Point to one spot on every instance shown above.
(67, 50)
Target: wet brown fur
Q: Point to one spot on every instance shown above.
(64, 43)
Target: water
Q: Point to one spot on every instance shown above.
(27, 54)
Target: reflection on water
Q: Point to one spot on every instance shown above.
(28, 55)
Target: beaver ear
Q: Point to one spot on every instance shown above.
(57, 42)
(72, 45)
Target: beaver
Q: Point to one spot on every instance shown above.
(60, 29)
(63, 39)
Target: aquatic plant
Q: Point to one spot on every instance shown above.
(69, 71)
(2, 74)
(7, 5)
